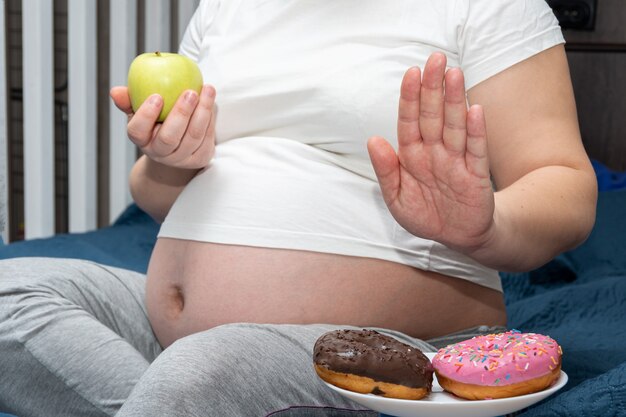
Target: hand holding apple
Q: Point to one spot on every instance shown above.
(186, 139)
(163, 73)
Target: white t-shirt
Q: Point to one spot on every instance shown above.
(301, 85)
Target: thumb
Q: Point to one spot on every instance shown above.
(121, 99)
(386, 166)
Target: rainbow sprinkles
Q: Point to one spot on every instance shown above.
(499, 359)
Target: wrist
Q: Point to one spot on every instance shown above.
(155, 187)
(496, 244)
(164, 174)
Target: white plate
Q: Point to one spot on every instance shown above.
(442, 404)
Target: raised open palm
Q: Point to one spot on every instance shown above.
(437, 186)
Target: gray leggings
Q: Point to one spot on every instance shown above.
(75, 341)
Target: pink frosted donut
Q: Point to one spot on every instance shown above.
(498, 365)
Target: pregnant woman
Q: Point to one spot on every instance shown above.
(348, 164)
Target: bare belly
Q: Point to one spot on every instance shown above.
(194, 286)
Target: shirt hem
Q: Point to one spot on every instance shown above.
(339, 245)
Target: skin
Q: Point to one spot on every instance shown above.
(546, 186)
(543, 203)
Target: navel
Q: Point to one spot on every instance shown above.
(175, 300)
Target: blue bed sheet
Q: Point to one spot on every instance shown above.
(579, 299)
(126, 244)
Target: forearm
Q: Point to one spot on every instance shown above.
(155, 186)
(546, 212)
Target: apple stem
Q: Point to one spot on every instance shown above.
(158, 53)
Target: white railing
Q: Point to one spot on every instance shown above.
(121, 153)
(38, 99)
(83, 127)
(38, 102)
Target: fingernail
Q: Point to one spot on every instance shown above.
(155, 100)
(208, 92)
(191, 97)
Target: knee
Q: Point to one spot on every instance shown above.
(16, 282)
(29, 271)
(267, 365)
(23, 278)
(10, 270)
(235, 355)
(46, 275)
(206, 370)
(214, 354)
(32, 288)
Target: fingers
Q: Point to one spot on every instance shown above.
(207, 149)
(175, 125)
(386, 166)
(476, 158)
(434, 109)
(455, 111)
(198, 136)
(185, 139)
(200, 157)
(431, 108)
(200, 127)
(408, 108)
(141, 126)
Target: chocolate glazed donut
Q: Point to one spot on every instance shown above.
(366, 361)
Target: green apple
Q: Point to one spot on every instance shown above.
(163, 73)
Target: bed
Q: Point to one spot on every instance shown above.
(579, 298)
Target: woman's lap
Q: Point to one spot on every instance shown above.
(239, 369)
(74, 337)
(79, 341)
